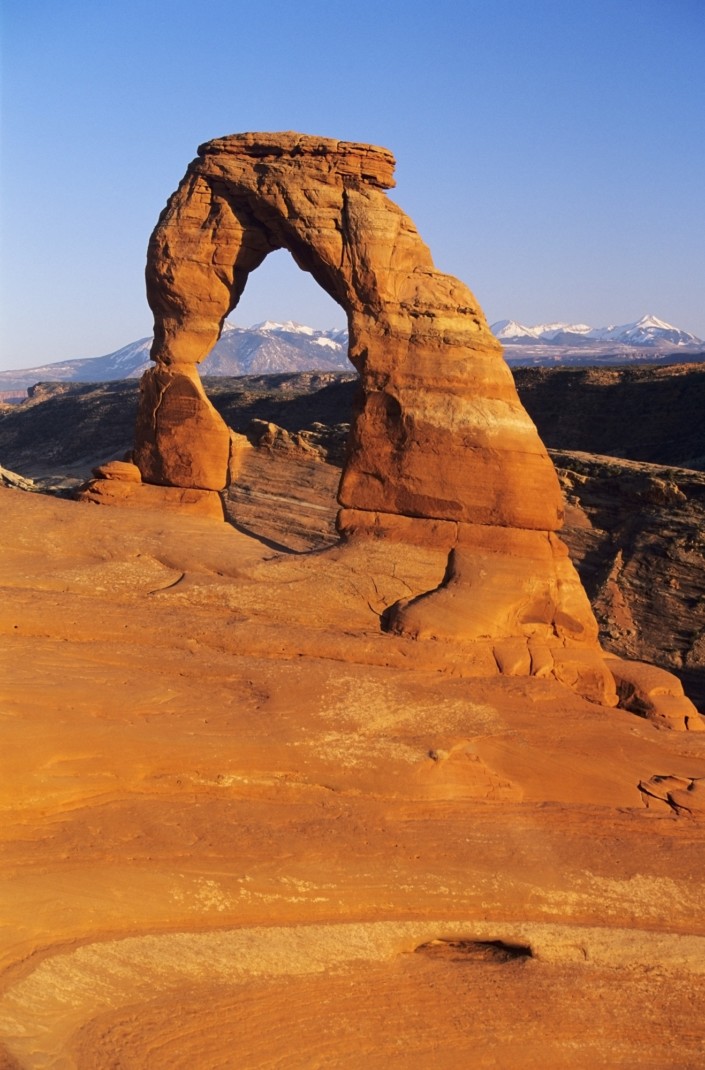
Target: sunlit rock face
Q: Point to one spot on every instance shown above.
(439, 431)
(439, 437)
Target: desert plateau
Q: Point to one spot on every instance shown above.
(350, 719)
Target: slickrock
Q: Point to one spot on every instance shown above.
(655, 694)
(118, 490)
(438, 435)
(243, 826)
(122, 470)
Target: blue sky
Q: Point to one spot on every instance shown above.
(552, 154)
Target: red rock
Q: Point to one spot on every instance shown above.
(439, 436)
(206, 503)
(282, 838)
(121, 470)
(180, 440)
(655, 694)
(439, 431)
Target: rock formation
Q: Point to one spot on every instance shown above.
(242, 828)
(441, 450)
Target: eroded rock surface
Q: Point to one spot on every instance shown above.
(438, 437)
(637, 534)
(439, 431)
(243, 826)
(634, 530)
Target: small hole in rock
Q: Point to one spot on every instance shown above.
(474, 950)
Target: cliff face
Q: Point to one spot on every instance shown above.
(642, 413)
(637, 535)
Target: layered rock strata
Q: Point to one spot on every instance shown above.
(439, 439)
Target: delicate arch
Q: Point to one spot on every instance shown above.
(441, 450)
(439, 431)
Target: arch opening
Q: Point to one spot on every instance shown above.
(280, 291)
(285, 492)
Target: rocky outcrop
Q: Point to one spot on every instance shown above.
(654, 694)
(637, 535)
(135, 494)
(433, 387)
(438, 433)
(439, 436)
(15, 481)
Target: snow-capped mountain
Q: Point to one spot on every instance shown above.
(271, 348)
(648, 331)
(511, 331)
(118, 365)
(266, 348)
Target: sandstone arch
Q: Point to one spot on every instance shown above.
(441, 448)
(440, 432)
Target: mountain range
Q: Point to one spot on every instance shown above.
(264, 349)
(270, 348)
(648, 331)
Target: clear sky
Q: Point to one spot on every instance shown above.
(551, 152)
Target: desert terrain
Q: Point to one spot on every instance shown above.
(291, 781)
(628, 444)
(243, 827)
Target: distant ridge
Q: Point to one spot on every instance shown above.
(264, 349)
(269, 348)
(648, 331)
(648, 340)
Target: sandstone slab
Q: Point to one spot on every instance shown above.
(128, 492)
(237, 817)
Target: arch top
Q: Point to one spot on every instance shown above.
(370, 163)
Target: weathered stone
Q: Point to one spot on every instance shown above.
(122, 470)
(257, 808)
(180, 440)
(207, 503)
(541, 658)
(239, 446)
(513, 657)
(655, 694)
(267, 435)
(14, 480)
(439, 431)
(439, 443)
(678, 792)
(502, 582)
(417, 531)
(583, 670)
